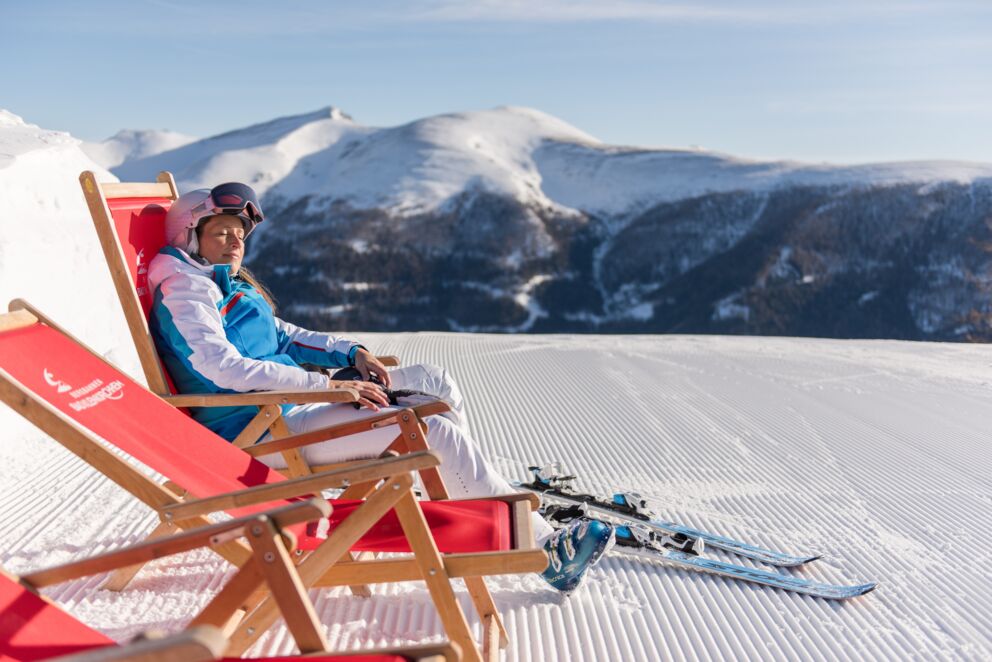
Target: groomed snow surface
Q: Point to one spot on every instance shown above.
(875, 454)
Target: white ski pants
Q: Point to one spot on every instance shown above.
(465, 471)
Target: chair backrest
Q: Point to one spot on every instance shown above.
(32, 628)
(74, 395)
(130, 221)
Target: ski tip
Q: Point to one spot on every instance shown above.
(863, 589)
(792, 561)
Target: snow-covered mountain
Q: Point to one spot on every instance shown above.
(130, 145)
(521, 153)
(510, 219)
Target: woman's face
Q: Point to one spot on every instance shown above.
(222, 241)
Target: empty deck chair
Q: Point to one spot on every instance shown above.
(130, 221)
(34, 628)
(78, 398)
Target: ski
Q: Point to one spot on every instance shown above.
(554, 487)
(682, 551)
(785, 582)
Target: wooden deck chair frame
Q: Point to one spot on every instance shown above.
(269, 416)
(325, 566)
(270, 564)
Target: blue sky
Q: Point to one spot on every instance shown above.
(834, 81)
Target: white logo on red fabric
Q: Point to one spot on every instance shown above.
(57, 383)
(90, 395)
(98, 392)
(141, 281)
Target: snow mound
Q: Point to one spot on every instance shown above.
(49, 252)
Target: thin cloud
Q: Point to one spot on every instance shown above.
(572, 11)
(891, 108)
(564, 11)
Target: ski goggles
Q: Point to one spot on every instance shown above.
(232, 199)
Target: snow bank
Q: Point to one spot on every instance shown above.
(49, 252)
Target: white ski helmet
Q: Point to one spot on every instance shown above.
(186, 213)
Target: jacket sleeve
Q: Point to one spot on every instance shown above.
(197, 333)
(320, 349)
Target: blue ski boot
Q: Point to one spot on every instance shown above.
(574, 549)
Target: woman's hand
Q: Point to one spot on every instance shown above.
(366, 363)
(370, 395)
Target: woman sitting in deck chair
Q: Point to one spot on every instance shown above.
(216, 331)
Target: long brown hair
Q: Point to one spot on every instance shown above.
(249, 278)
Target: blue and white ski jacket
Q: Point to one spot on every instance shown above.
(216, 334)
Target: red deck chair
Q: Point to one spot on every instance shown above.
(34, 628)
(75, 396)
(130, 221)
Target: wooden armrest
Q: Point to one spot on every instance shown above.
(286, 489)
(197, 644)
(261, 398)
(343, 429)
(389, 360)
(143, 552)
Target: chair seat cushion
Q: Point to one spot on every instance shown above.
(459, 527)
(329, 657)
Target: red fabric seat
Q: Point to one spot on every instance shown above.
(329, 658)
(458, 526)
(105, 401)
(32, 628)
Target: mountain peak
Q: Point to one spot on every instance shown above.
(8, 118)
(336, 113)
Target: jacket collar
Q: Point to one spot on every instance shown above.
(220, 274)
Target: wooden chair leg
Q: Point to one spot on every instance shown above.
(415, 438)
(490, 636)
(263, 420)
(119, 579)
(361, 590)
(220, 611)
(330, 552)
(488, 614)
(431, 564)
(287, 590)
(414, 434)
(295, 464)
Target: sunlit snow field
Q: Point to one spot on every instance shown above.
(875, 454)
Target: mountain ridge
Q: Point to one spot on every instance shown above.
(510, 219)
